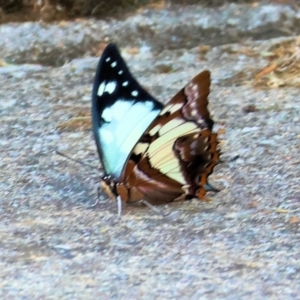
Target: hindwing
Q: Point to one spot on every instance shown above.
(178, 151)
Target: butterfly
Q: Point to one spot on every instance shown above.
(150, 151)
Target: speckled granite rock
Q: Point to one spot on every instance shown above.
(244, 244)
(173, 28)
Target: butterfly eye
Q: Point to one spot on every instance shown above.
(106, 179)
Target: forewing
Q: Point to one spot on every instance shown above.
(121, 111)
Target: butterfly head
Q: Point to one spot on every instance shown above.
(114, 189)
(108, 185)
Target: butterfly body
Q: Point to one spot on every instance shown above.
(150, 151)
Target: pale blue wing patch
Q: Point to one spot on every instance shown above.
(124, 124)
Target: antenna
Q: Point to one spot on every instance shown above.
(74, 160)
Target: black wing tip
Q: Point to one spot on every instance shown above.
(110, 48)
(111, 45)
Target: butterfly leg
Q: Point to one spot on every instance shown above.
(119, 200)
(211, 188)
(152, 207)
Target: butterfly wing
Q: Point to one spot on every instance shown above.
(178, 151)
(121, 111)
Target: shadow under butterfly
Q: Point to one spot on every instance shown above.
(150, 151)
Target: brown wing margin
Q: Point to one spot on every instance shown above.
(196, 92)
(198, 155)
(203, 149)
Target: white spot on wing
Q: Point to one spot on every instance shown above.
(125, 83)
(113, 64)
(134, 93)
(106, 115)
(110, 87)
(140, 148)
(108, 59)
(194, 113)
(101, 89)
(171, 108)
(154, 130)
(193, 104)
(120, 72)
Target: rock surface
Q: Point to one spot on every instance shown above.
(54, 244)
